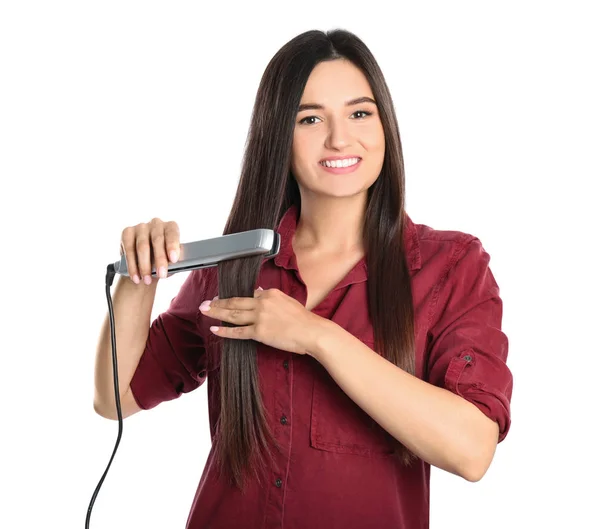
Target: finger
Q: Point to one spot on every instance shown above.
(238, 303)
(235, 316)
(237, 333)
(143, 251)
(157, 236)
(128, 249)
(172, 241)
(242, 303)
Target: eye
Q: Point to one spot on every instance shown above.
(302, 121)
(365, 112)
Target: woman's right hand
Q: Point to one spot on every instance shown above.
(149, 244)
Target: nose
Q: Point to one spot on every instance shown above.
(338, 135)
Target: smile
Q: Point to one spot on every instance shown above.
(344, 166)
(346, 162)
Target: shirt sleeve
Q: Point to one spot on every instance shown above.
(174, 359)
(468, 350)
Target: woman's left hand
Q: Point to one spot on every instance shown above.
(270, 317)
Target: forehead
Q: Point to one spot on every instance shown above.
(331, 83)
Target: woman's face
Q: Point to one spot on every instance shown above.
(338, 120)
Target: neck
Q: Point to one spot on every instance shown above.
(331, 225)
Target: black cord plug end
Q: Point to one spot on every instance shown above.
(110, 274)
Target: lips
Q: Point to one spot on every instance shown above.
(340, 162)
(342, 170)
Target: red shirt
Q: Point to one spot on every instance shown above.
(338, 473)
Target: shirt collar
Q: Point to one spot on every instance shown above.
(287, 259)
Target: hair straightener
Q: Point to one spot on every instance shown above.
(210, 252)
(199, 254)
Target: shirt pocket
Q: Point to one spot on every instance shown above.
(338, 424)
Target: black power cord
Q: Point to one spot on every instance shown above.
(110, 275)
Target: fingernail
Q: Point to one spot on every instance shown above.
(173, 256)
(147, 280)
(162, 272)
(259, 288)
(136, 279)
(216, 297)
(205, 305)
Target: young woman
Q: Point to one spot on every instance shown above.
(373, 347)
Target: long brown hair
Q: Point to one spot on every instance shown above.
(266, 190)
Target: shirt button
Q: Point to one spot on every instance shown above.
(278, 483)
(468, 358)
(283, 419)
(285, 364)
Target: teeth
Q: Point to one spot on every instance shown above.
(340, 163)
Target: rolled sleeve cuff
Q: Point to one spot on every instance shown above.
(149, 385)
(491, 401)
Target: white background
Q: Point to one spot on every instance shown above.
(112, 113)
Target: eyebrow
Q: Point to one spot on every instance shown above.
(315, 106)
